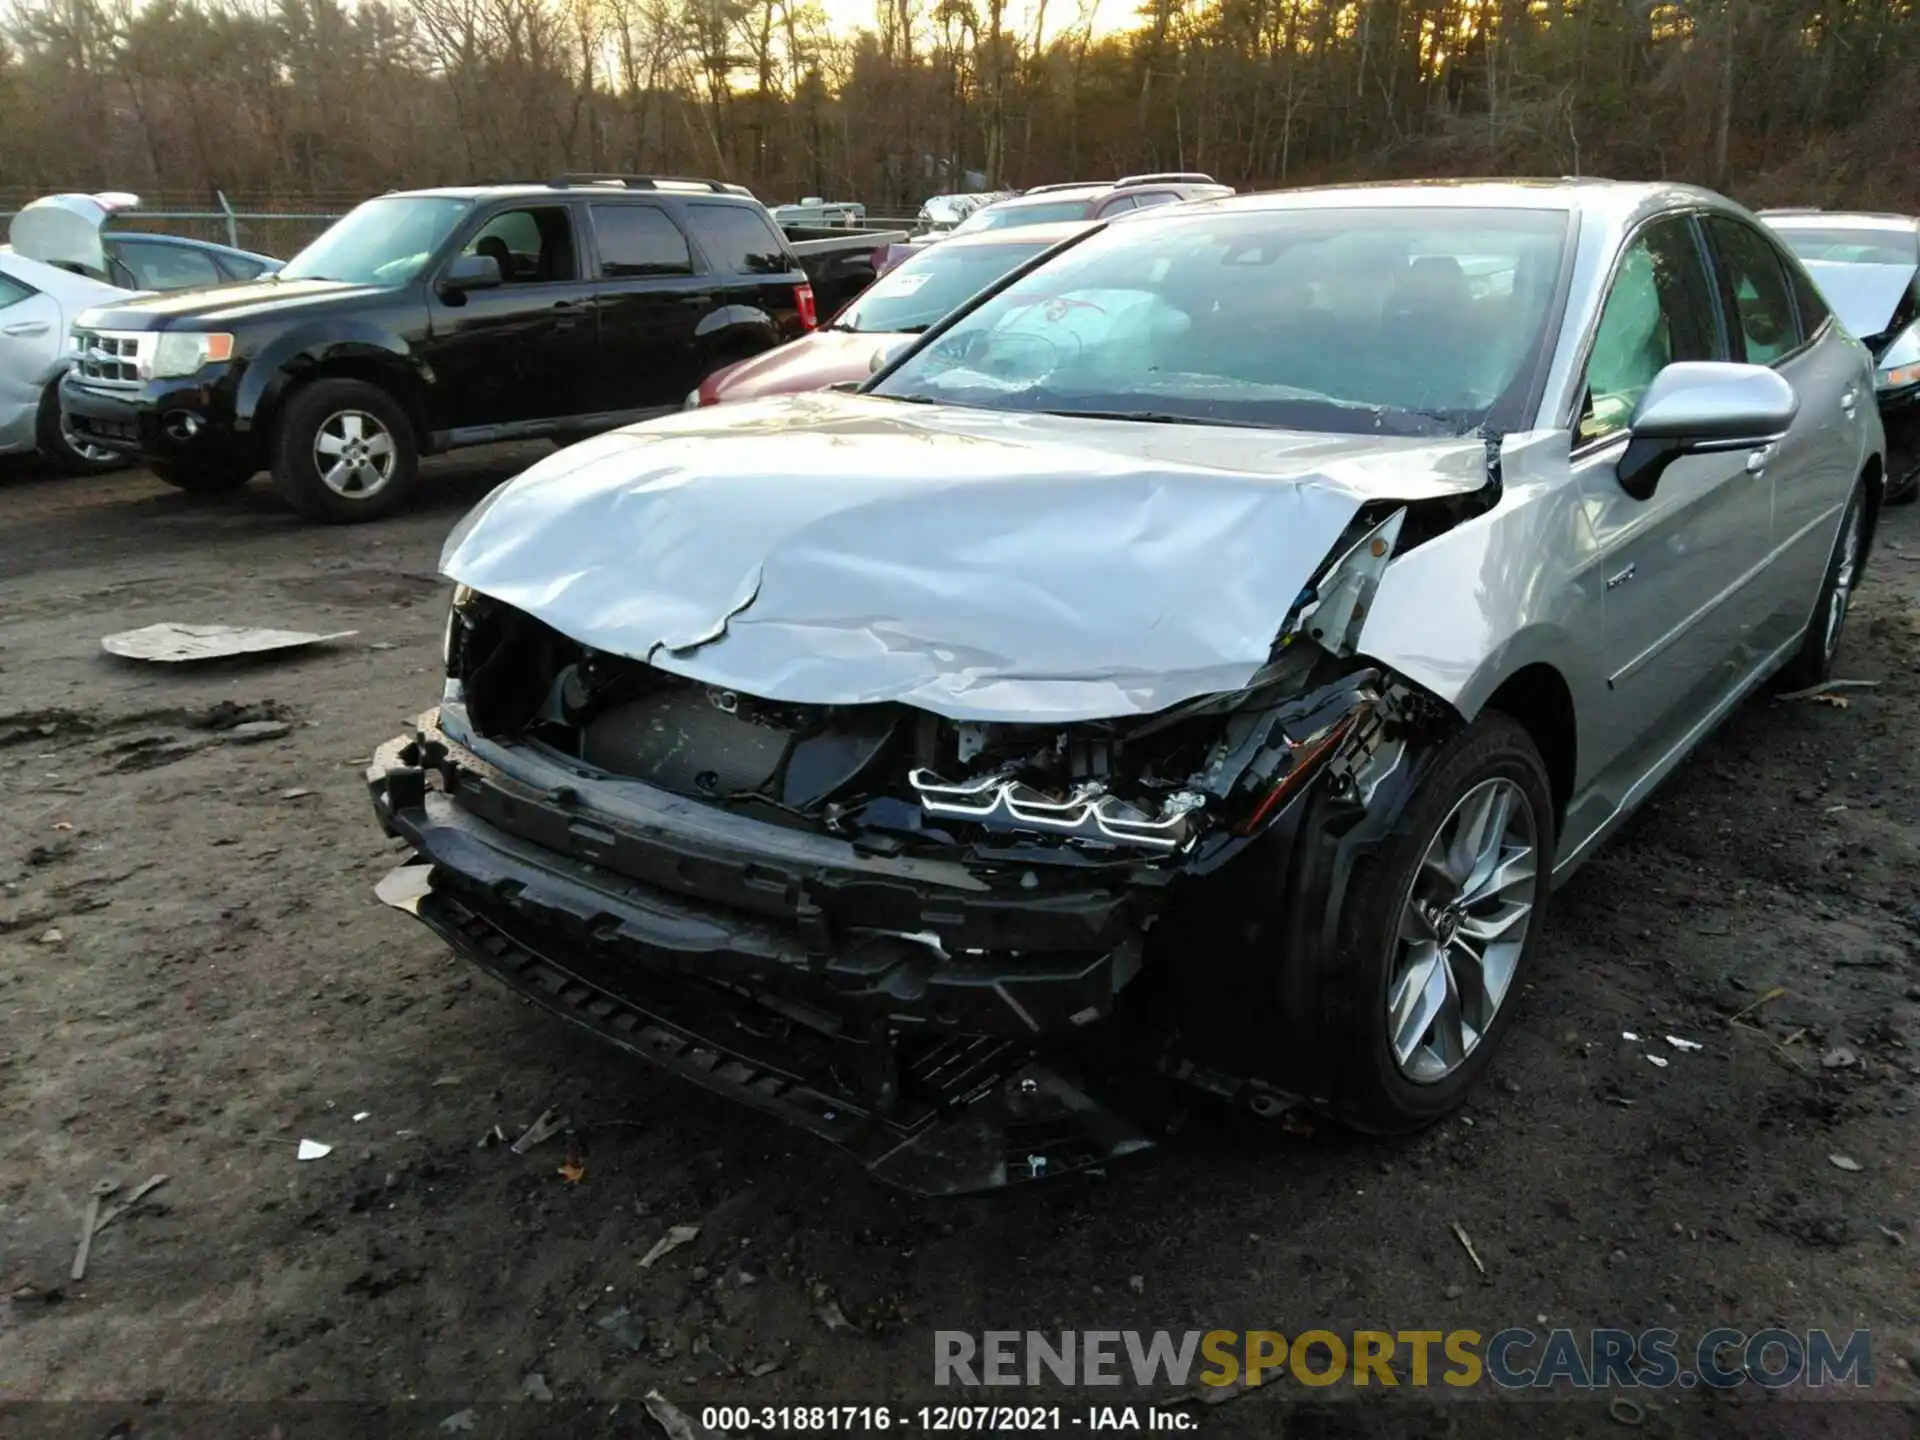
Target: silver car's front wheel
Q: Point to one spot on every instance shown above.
(1463, 926)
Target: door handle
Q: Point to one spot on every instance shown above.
(1757, 459)
(27, 327)
(566, 315)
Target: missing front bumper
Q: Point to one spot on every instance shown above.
(803, 990)
(946, 1116)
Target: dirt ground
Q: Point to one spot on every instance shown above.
(195, 976)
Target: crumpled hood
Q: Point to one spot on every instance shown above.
(1863, 296)
(837, 549)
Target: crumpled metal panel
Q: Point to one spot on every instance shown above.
(832, 549)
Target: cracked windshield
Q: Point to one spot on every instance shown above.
(1409, 322)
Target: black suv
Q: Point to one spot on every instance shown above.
(432, 319)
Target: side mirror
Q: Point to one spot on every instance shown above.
(471, 272)
(1698, 407)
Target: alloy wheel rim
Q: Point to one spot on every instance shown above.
(1463, 925)
(83, 447)
(354, 454)
(1844, 572)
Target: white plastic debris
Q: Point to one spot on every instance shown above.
(1628, 1035)
(313, 1150)
(168, 643)
(1843, 1162)
(360, 1115)
(676, 1237)
(1679, 1044)
(1657, 1061)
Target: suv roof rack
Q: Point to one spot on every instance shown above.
(1061, 185)
(1166, 177)
(1791, 210)
(647, 182)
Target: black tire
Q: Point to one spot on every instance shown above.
(60, 447)
(200, 479)
(1372, 1090)
(1904, 487)
(344, 409)
(1820, 647)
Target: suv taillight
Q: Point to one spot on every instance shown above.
(803, 302)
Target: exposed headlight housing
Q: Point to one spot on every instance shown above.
(186, 352)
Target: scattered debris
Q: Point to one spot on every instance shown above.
(1838, 702)
(669, 1417)
(1630, 1037)
(534, 1387)
(1220, 1394)
(620, 1326)
(1466, 1244)
(1454, 1292)
(763, 1369)
(1894, 1235)
(297, 793)
(1844, 1162)
(1625, 1410)
(1839, 1058)
(1659, 1062)
(833, 1317)
(89, 1223)
(545, 1128)
(1822, 691)
(573, 1171)
(1767, 999)
(313, 1150)
(459, 1420)
(171, 644)
(52, 937)
(253, 730)
(493, 1137)
(360, 1115)
(140, 1192)
(1137, 1284)
(676, 1237)
(443, 1081)
(1679, 1044)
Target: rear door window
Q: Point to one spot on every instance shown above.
(739, 240)
(12, 292)
(639, 240)
(1763, 305)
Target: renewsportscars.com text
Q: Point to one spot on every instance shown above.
(1512, 1359)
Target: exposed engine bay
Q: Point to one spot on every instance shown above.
(900, 780)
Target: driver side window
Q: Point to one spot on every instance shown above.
(1659, 310)
(530, 246)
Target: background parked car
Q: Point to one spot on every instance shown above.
(38, 304)
(433, 319)
(902, 303)
(1868, 267)
(70, 231)
(1064, 203)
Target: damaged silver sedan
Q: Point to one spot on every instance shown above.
(1198, 657)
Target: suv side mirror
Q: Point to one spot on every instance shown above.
(1699, 407)
(471, 272)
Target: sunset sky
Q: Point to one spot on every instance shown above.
(850, 15)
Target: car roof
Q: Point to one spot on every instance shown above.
(599, 190)
(1847, 219)
(1050, 233)
(1051, 197)
(1615, 203)
(186, 242)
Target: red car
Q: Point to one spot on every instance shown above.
(903, 302)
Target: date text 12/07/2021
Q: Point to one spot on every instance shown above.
(944, 1419)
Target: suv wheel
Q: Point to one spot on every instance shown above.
(71, 453)
(344, 451)
(1439, 930)
(201, 479)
